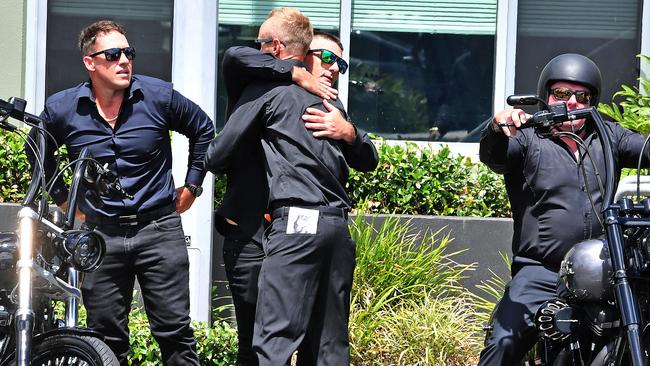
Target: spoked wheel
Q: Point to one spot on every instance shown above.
(72, 350)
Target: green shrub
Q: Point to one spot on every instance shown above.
(635, 104)
(414, 180)
(408, 180)
(397, 281)
(215, 345)
(436, 331)
(15, 171)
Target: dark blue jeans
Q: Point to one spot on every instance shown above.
(155, 254)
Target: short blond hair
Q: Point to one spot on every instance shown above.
(292, 28)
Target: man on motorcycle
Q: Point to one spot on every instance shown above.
(554, 194)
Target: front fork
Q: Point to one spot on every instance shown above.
(25, 313)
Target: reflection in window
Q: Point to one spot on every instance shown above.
(606, 31)
(422, 71)
(148, 25)
(239, 22)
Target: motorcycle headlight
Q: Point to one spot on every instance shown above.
(84, 250)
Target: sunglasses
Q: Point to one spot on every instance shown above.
(261, 41)
(114, 54)
(330, 57)
(564, 93)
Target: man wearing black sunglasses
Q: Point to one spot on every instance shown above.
(305, 277)
(238, 218)
(125, 121)
(553, 188)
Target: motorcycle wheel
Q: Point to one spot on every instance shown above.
(68, 350)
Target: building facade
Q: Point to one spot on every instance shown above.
(424, 70)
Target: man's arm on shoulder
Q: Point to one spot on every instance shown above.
(247, 116)
(243, 65)
(246, 64)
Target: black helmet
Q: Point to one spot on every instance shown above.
(574, 68)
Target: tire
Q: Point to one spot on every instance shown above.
(68, 349)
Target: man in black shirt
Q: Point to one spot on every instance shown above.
(247, 189)
(125, 120)
(554, 195)
(306, 276)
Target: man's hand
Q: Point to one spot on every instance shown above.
(508, 121)
(331, 124)
(184, 199)
(318, 86)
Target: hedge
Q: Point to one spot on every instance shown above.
(408, 180)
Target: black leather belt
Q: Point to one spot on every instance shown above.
(134, 219)
(323, 210)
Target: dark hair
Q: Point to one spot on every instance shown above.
(574, 68)
(89, 34)
(329, 36)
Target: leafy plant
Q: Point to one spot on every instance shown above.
(15, 170)
(635, 105)
(414, 180)
(216, 344)
(492, 290)
(395, 282)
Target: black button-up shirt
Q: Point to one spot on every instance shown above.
(548, 193)
(137, 149)
(300, 169)
(247, 190)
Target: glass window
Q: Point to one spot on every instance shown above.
(148, 25)
(608, 32)
(422, 70)
(240, 20)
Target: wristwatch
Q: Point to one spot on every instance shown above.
(194, 189)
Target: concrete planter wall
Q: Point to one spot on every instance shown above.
(481, 241)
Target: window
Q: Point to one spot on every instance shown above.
(422, 70)
(148, 25)
(240, 20)
(608, 32)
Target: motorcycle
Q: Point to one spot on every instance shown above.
(604, 318)
(44, 260)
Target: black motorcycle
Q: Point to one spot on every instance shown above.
(604, 319)
(42, 262)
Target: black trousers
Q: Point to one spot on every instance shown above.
(155, 254)
(242, 258)
(514, 330)
(304, 294)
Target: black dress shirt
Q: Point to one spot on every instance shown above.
(547, 190)
(246, 188)
(300, 169)
(137, 149)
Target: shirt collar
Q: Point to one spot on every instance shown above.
(85, 90)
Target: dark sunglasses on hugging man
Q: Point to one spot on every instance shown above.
(114, 54)
(330, 57)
